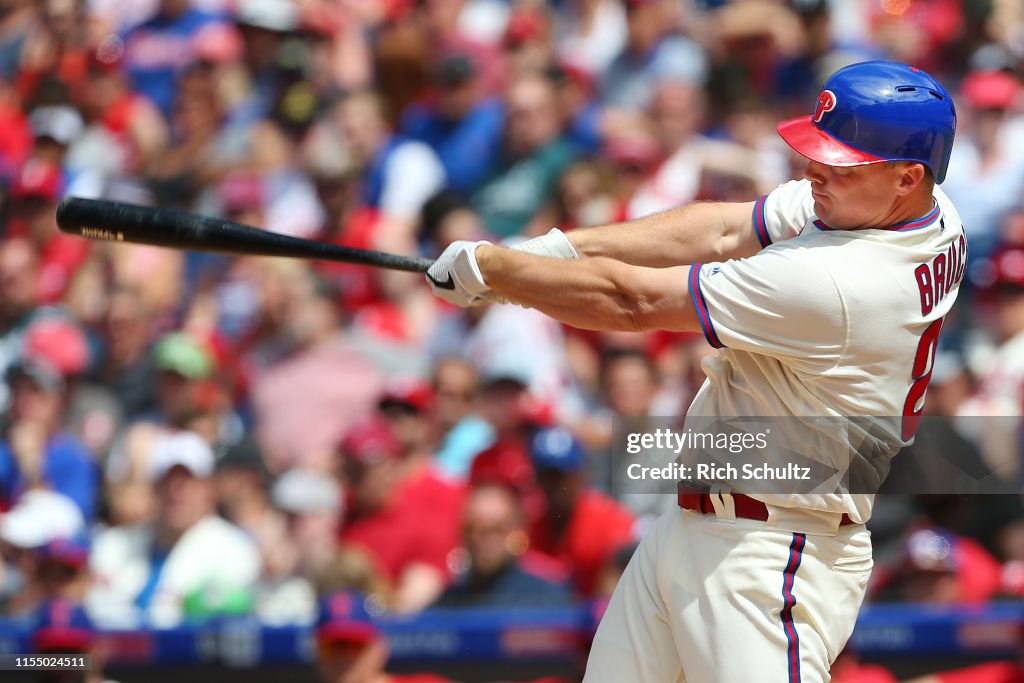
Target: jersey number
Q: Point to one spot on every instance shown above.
(924, 362)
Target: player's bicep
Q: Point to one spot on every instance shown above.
(739, 231)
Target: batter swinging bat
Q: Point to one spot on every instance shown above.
(115, 221)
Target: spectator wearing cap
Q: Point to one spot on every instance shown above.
(62, 568)
(939, 567)
(633, 153)
(313, 507)
(186, 558)
(34, 195)
(190, 388)
(350, 647)
(987, 175)
(54, 129)
(499, 568)
(590, 34)
(1000, 380)
(242, 483)
(244, 498)
(527, 42)
(653, 52)
(310, 506)
(573, 511)
(448, 217)
(191, 393)
(62, 627)
(156, 49)
(40, 518)
(126, 133)
(37, 451)
(459, 122)
(242, 197)
(534, 154)
(513, 414)
(263, 24)
(408, 405)
(587, 120)
(405, 542)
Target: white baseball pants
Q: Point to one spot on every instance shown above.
(714, 599)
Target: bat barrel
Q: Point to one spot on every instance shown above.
(120, 222)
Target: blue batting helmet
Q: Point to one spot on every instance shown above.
(877, 111)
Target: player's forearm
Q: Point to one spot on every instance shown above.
(595, 293)
(698, 232)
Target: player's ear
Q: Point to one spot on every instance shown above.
(911, 176)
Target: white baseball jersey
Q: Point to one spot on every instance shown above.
(829, 323)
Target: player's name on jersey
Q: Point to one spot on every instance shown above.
(727, 472)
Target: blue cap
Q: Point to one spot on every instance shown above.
(73, 552)
(343, 617)
(62, 625)
(556, 449)
(877, 111)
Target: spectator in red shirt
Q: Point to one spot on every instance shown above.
(580, 526)
(129, 122)
(350, 646)
(397, 531)
(34, 196)
(408, 406)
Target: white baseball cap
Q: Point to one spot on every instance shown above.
(307, 492)
(60, 123)
(40, 517)
(187, 449)
(273, 15)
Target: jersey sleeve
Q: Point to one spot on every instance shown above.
(780, 302)
(783, 212)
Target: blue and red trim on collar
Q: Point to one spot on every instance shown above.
(905, 226)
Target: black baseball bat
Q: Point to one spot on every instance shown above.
(119, 222)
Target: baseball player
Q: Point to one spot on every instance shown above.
(826, 298)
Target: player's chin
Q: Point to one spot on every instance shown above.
(823, 206)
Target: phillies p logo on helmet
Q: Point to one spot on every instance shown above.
(826, 102)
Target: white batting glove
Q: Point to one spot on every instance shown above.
(456, 277)
(554, 245)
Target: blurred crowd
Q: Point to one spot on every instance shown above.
(191, 434)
